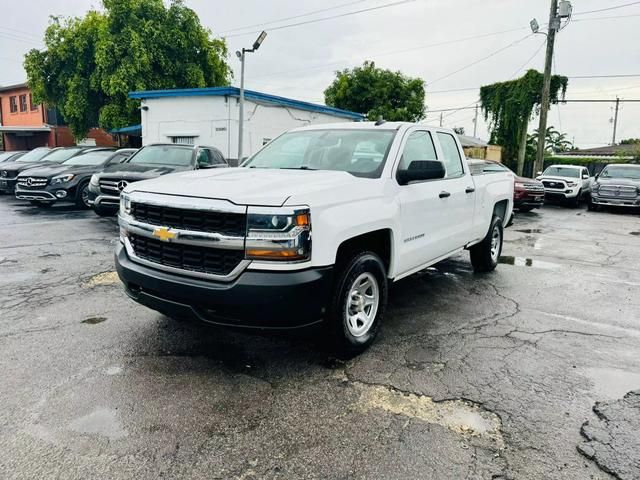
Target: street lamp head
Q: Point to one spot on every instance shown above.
(259, 40)
(239, 54)
(534, 25)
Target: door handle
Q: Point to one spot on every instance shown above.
(469, 190)
(444, 194)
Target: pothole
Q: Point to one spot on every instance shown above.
(460, 416)
(94, 320)
(104, 278)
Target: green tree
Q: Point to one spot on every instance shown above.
(555, 142)
(630, 141)
(377, 93)
(508, 106)
(90, 64)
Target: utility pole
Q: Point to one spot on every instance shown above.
(440, 118)
(241, 56)
(615, 121)
(554, 25)
(475, 123)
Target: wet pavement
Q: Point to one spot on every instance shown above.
(473, 376)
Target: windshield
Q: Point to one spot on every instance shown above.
(164, 155)
(562, 172)
(62, 155)
(620, 171)
(359, 152)
(34, 155)
(5, 155)
(91, 158)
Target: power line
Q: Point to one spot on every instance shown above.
(343, 5)
(22, 32)
(624, 75)
(469, 65)
(606, 9)
(535, 54)
(606, 18)
(290, 25)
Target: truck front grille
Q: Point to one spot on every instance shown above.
(554, 184)
(32, 182)
(186, 257)
(225, 223)
(533, 187)
(618, 191)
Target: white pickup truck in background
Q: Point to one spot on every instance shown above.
(310, 229)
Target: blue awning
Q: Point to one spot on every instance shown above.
(135, 130)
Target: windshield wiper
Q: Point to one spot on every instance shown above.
(301, 167)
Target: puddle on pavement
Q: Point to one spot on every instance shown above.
(527, 262)
(104, 278)
(634, 233)
(103, 422)
(459, 416)
(612, 383)
(530, 230)
(94, 320)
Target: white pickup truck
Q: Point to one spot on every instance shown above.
(310, 229)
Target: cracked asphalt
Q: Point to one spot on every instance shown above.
(472, 377)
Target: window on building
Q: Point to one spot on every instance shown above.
(13, 104)
(32, 106)
(183, 140)
(23, 103)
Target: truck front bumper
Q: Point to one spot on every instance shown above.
(256, 299)
(618, 202)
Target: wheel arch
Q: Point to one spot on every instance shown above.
(379, 242)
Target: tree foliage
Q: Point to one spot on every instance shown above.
(90, 64)
(377, 93)
(555, 142)
(508, 106)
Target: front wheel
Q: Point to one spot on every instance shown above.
(575, 203)
(592, 207)
(82, 196)
(485, 255)
(525, 209)
(104, 212)
(358, 303)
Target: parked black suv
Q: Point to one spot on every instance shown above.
(69, 181)
(9, 170)
(149, 162)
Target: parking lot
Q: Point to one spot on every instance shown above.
(473, 376)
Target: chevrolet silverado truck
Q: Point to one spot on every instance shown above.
(149, 162)
(311, 229)
(617, 185)
(68, 181)
(570, 183)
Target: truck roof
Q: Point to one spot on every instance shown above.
(363, 126)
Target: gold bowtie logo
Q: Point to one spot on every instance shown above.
(164, 234)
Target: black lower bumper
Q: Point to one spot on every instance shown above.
(262, 300)
(531, 203)
(8, 185)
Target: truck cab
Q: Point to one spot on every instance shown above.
(311, 229)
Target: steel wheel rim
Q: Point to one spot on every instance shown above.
(362, 304)
(85, 195)
(495, 243)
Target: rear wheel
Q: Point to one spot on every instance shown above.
(82, 196)
(358, 303)
(485, 255)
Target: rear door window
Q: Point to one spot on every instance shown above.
(451, 155)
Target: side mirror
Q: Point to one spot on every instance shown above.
(539, 173)
(585, 176)
(421, 170)
(204, 165)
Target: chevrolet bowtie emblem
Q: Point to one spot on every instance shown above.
(164, 234)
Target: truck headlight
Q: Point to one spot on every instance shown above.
(94, 181)
(125, 204)
(595, 187)
(62, 179)
(572, 184)
(280, 234)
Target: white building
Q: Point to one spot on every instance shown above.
(209, 116)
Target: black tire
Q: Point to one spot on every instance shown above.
(575, 202)
(104, 212)
(82, 196)
(41, 204)
(592, 207)
(343, 320)
(525, 209)
(483, 256)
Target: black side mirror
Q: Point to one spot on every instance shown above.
(421, 170)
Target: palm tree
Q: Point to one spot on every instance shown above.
(555, 141)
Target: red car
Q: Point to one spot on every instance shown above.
(528, 193)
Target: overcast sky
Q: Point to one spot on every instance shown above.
(416, 37)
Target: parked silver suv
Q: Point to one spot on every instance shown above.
(617, 184)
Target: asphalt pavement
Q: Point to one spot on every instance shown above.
(517, 374)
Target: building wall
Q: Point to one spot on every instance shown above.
(30, 118)
(213, 121)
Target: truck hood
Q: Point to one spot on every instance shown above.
(558, 178)
(619, 181)
(249, 186)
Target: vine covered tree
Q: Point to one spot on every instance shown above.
(90, 64)
(508, 106)
(377, 93)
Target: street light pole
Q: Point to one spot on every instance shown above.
(241, 56)
(554, 21)
(615, 121)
